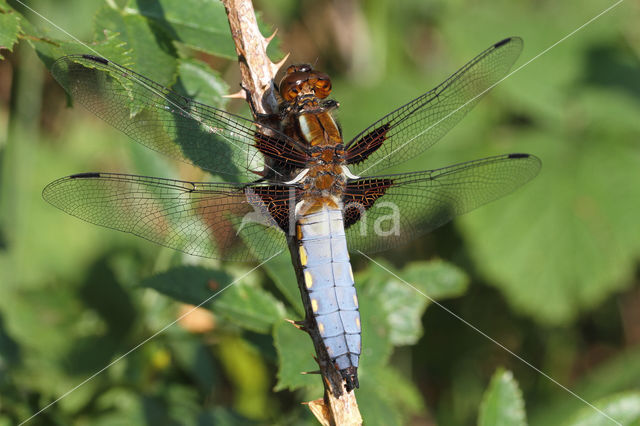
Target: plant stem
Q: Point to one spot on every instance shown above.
(338, 407)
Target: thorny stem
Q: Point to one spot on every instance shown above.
(338, 407)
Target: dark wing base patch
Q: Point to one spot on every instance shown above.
(360, 195)
(278, 201)
(281, 155)
(367, 145)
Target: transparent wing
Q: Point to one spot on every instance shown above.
(218, 220)
(386, 211)
(416, 126)
(170, 123)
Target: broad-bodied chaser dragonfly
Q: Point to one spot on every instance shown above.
(315, 192)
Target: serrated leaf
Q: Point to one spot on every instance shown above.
(201, 83)
(199, 25)
(251, 307)
(248, 306)
(405, 304)
(109, 47)
(150, 47)
(49, 49)
(502, 403)
(564, 242)
(281, 272)
(9, 27)
(623, 408)
(295, 356)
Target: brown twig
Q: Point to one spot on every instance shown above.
(338, 407)
(257, 70)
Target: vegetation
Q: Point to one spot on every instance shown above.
(549, 272)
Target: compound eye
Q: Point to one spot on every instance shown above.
(291, 94)
(292, 69)
(322, 86)
(290, 87)
(298, 68)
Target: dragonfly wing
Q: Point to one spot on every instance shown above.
(386, 211)
(217, 220)
(416, 126)
(170, 123)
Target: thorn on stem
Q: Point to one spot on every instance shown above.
(276, 67)
(268, 39)
(240, 94)
(300, 325)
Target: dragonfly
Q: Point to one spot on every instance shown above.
(295, 183)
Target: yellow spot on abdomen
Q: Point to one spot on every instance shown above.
(303, 256)
(358, 323)
(314, 305)
(321, 327)
(308, 279)
(355, 300)
(351, 273)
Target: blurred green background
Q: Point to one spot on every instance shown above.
(550, 272)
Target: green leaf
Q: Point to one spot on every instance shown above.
(10, 351)
(376, 331)
(189, 284)
(563, 243)
(119, 406)
(110, 46)
(618, 374)
(387, 397)
(9, 27)
(151, 51)
(248, 372)
(295, 356)
(199, 25)
(242, 303)
(251, 307)
(623, 408)
(376, 408)
(281, 271)
(201, 83)
(502, 404)
(196, 360)
(405, 305)
(221, 416)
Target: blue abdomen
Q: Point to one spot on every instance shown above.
(329, 283)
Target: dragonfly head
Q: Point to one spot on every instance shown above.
(302, 80)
